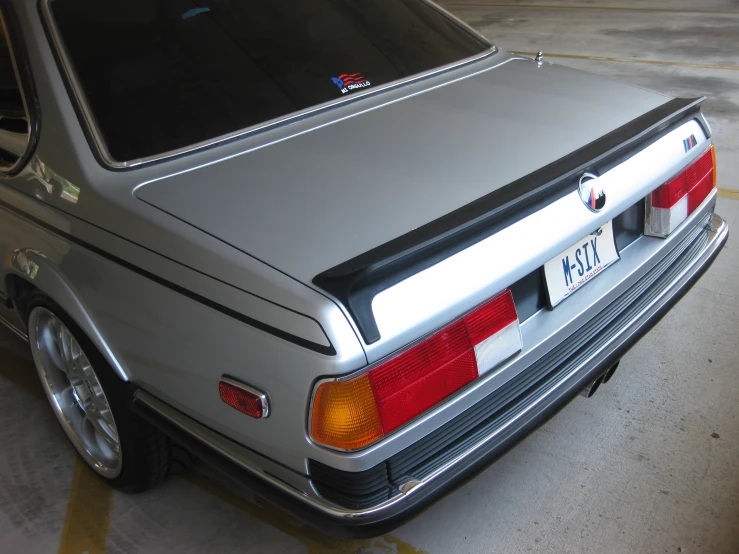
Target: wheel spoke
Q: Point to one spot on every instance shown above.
(62, 342)
(47, 340)
(84, 366)
(66, 398)
(92, 381)
(107, 416)
(68, 354)
(103, 431)
(75, 352)
(75, 391)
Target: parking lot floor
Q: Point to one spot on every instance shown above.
(650, 464)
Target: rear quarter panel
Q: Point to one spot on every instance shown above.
(171, 345)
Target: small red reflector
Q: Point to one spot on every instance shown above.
(249, 402)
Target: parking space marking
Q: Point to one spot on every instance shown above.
(88, 513)
(315, 541)
(632, 60)
(728, 193)
(589, 7)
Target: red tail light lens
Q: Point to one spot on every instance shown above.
(491, 318)
(670, 193)
(419, 378)
(409, 383)
(702, 177)
(673, 202)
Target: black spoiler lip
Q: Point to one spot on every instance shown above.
(356, 282)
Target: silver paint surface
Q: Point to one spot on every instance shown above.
(356, 183)
(258, 218)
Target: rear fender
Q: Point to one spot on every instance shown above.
(35, 269)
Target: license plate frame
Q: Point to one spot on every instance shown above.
(563, 278)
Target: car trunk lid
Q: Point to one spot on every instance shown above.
(317, 199)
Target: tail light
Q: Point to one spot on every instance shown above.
(352, 413)
(673, 202)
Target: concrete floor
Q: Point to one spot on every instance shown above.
(650, 464)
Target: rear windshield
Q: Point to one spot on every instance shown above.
(161, 75)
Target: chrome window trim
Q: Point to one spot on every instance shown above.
(263, 400)
(69, 74)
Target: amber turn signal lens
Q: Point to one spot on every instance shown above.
(345, 414)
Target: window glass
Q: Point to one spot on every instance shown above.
(160, 75)
(14, 130)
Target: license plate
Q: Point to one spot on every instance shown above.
(579, 264)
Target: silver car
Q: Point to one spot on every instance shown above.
(346, 251)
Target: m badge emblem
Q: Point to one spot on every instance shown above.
(591, 192)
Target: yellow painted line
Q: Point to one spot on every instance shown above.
(88, 513)
(315, 541)
(728, 193)
(633, 60)
(589, 7)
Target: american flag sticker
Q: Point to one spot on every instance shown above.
(689, 143)
(350, 81)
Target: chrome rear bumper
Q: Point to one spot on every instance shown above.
(297, 494)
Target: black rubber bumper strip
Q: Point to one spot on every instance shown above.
(356, 282)
(382, 522)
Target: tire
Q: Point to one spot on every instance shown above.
(144, 455)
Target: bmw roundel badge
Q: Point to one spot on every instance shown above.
(591, 192)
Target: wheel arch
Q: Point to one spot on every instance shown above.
(30, 270)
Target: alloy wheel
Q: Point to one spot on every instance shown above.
(75, 392)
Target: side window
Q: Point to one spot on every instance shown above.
(14, 120)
